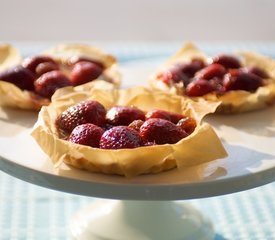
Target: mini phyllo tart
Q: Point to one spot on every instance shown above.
(126, 132)
(29, 83)
(242, 82)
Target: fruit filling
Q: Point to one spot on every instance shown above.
(89, 123)
(43, 75)
(222, 74)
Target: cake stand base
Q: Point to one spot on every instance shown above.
(141, 220)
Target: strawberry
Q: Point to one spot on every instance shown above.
(88, 111)
(19, 76)
(86, 134)
(182, 72)
(188, 124)
(173, 74)
(76, 59)
(161, 131)
(124, 115)
(120, 137)
(257, 71)
(32, 62)
(239, 80)
(227, 61)
(83, 72)
(211, 71)
(200, 87)
(45, 67)
(49, 82)
(170, 116)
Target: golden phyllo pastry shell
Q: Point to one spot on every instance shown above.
(232, 101)
(201, 146)
(12, 96)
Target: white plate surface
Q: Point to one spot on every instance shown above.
(249, 139)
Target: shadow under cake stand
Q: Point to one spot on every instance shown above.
(144, 207)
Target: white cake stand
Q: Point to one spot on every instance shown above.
(145, 209)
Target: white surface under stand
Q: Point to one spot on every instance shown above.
(248, 139)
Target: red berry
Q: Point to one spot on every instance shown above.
(189, 69)
(217, 83)
(182, 72)
(199, 87)
(75, 59)
(211, 71)
(173, 75)
(32, 62)
(188, 124)
(49, 82)
(161, 131)
(257, 71)
(46, 67)
(170, 116)
(19, 76)
(86, 134)
(88, 111)
(238, 80)
(124, 115)
(84, 72)
(227, 61)
(120, 137)
(198, 64)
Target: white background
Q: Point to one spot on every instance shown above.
(140, 20)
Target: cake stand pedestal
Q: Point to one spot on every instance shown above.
(140, 220)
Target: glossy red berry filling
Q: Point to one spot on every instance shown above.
(224, 73)
(43, 75)
(122, 127)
